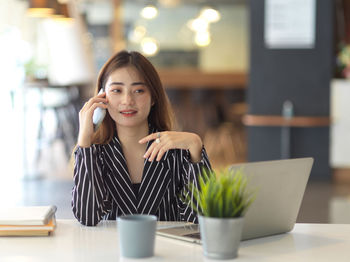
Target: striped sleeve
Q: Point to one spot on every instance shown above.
(89, 201)
(189, 173)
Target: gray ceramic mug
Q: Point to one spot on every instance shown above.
(137, 235)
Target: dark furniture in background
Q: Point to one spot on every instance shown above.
(299, 75)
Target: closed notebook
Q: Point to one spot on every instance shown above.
(29, 215)
(28, 230)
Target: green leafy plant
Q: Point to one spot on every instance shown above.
(221, 194)
(343, 59)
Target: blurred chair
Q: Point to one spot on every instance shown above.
(64, 102)
(226, 142)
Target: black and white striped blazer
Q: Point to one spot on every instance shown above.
(103, 189)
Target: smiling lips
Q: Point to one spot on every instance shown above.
(128, 113)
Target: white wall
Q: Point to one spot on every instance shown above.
(339, 132)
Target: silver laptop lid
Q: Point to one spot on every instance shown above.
(280, 186)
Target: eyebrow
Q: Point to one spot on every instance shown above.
(121, 83)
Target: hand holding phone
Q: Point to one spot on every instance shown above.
(99, 114)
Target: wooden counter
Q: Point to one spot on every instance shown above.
(188, 79)
(297, 121)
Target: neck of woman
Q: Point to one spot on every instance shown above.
(131, 135)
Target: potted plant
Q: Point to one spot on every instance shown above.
(221, 203)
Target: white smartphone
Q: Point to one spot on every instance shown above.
(99, 114)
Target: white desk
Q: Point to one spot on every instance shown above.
(73, 242)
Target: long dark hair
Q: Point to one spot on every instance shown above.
(160, 116)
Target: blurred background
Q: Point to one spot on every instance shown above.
(256, 79)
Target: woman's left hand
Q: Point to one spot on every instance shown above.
(164, 141)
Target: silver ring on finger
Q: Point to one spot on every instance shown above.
(158, 138)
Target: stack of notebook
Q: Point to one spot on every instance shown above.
(27, 221)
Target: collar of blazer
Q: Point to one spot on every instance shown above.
(156, 177)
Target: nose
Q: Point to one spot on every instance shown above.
(128, 98)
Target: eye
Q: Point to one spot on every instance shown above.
(116, 90)
(139, 91)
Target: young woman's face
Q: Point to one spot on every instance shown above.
(129, 99)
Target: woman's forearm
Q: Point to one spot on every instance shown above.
(88, 191)
(196, 149)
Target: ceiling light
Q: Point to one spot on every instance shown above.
(149, 46)
(40, 8)
(210, 14)
(149, 12)
(202, 38)
(198, 25)
(137, 34)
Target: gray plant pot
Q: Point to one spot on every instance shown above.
(220, 236)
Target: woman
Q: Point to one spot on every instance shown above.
(133, 163)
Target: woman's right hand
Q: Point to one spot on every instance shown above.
(86, 127)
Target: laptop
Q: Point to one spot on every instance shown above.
(279, 187)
